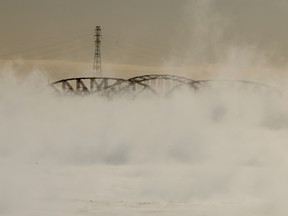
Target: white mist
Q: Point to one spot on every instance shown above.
(212, 153)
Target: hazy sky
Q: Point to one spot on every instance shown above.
(142, 32)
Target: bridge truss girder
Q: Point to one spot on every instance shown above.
(147, 84)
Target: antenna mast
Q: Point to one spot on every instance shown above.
(97, 56)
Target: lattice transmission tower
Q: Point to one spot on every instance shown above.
(97, 69)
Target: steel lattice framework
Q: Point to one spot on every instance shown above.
(97, 55)
(156, 84)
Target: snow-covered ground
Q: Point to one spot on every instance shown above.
(129, 190)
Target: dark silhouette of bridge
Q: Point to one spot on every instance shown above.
(156, 84)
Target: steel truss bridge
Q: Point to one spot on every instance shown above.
(162, 85)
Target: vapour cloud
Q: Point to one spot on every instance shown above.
(224, 149)
(221, 151)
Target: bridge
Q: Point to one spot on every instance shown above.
(156, 84)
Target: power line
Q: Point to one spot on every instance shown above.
(55, 45)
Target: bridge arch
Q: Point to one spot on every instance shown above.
(156, 84)
(104, 86)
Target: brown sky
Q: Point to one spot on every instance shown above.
(141, 33)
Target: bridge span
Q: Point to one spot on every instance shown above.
(155, 84)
